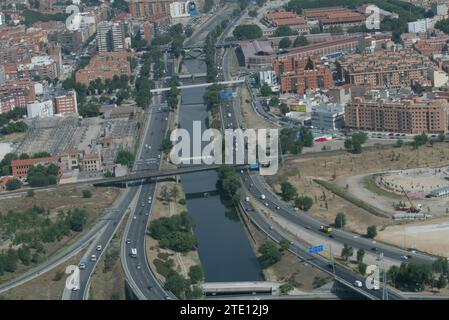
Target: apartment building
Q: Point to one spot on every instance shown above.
(66, 103)
(110, 36)
(405, 115)
(105, 66)
(296, 75)
(381, 69)
(150, 8)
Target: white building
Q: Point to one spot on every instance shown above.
(269, 77)
(439, 9)
(2, 19)
(439, 78)
(328, 117)
(421, 26)
(40, 109)
(181, 9)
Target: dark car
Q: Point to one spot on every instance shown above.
(374, 249)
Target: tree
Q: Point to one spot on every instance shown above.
(13, 184)
(410, 276)
(284, 31)
(165, 193)
(247, 32)
(252, 13)
(360, 255)
(285, 43)
(86, 193)
(77, 220)
(442, 282)
(274, 102)
(270, 254)
(288, 191)
(420, 140)
(399, 143)
(265, 90)
(284, 108)
(300, 41)
(284, 244)
(362, 267)
(440, 265)
(177, 284)
(340, 220)
(196, 274)
(355, 142)
(125, 158)
(441, 137)
(304, 202)
(347, 252)
(371, 232)
(174, 192)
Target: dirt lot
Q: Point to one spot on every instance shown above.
(250, 118)
(48, 286)
(182, 261)
(13, 137)
(302, 170)
(63, 199)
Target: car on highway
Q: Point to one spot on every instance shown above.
(82, 265)
(133, 252)
(404, 257)
(138, 266)
(128, 241)
(99, 247)
(142, 204)
(93, 258)
(358, 283)
(135, 217)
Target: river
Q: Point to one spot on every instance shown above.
(224, 248)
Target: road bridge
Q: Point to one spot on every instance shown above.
(145, 175)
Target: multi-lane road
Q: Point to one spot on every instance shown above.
(138, 273)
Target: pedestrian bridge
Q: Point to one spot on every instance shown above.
(244, 287)
(199, 85)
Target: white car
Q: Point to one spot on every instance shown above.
(99, 247)
(93, 258)
(358, 283)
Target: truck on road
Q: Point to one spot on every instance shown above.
(326, 229)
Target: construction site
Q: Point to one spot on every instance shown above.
(399, 190)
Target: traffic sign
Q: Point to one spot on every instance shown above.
(316, 249)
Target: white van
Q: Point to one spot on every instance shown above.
(133, 252)
(358, 283)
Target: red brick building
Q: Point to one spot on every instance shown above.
(105, 66)
(20, 168)
(66, 103)
(298, 75)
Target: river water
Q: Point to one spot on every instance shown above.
(224, 248)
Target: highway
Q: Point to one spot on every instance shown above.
(138, 273)
(341, 274)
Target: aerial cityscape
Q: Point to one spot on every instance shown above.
(210, 150)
